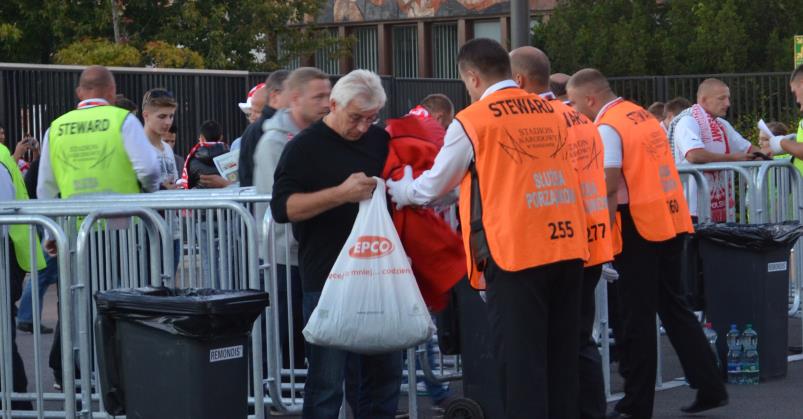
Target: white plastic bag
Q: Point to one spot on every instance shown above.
(370, 302)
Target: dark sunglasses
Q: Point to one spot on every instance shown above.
(157, 93)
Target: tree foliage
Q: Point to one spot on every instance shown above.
(645, 37)
(235, 34)
(100, 51)
(162, 54)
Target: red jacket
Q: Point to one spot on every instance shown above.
(437, 255)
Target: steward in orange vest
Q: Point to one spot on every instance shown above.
(524, 228)
(652, 222)
(531, 69)
(657, 205)
(522, 186)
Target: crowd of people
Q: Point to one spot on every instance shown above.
(554, 176)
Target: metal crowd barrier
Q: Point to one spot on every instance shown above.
(210, 238)
(39, 396)
(118, 257)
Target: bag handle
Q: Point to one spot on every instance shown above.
(380, 186)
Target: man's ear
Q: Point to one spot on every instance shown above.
(473, 79)
(519, 79)
(591, 101)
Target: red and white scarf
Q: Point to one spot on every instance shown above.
(723, 200)
(711, 131)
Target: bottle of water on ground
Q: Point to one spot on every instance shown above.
(734, 356)
(750, 367)
(711, 336)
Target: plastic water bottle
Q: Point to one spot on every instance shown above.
(749, 367)
(734, 356)
(711, 336)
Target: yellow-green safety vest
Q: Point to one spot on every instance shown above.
(796, 161)
(19, 234)
(87, 153)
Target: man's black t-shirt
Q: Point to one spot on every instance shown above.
(316, 159)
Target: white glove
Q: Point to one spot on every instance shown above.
(775, 143)
(609, 273)
(397, 189)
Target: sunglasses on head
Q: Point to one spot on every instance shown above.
(157, 93)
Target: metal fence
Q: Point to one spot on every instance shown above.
(763, 94)
(31, 95)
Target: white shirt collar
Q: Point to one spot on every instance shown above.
(499, 86)
(548, 95)
(89, 103)
(606, 107)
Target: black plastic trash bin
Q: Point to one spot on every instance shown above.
(746, 280)
(175, 353)
(464, 328)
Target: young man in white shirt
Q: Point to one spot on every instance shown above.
(158, 111)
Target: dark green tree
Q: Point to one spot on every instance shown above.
(236, 34)
(645, 37)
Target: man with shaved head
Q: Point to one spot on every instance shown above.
(557, 84)
(652, 221)
(95, 148)
(700, 134)
(531, 69)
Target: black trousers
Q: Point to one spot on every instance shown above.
(649, 284)
(20, 380)
(535, 326)
(592, 384)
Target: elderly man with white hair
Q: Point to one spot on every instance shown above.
(321, 176)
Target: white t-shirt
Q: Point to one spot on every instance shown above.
(687, 137)
(612, 144)
(167, 164)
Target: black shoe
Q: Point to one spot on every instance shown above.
(28, 328)
(618, 415)
(701, 405)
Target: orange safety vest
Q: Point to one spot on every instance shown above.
(520, 201)
(585, 150)
(657, 203)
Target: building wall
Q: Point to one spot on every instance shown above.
(413, 38)
(352, 11)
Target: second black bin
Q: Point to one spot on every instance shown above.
(746, 280)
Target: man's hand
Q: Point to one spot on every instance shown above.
(50, 247)
(398, 188)
(171, 185)
(356, 188)
(213, 181)
(740, 156)
(21, 148)
(775, 143)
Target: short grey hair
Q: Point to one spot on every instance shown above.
(275, 81)
(362, 86)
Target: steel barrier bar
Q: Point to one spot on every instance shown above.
(63, 253)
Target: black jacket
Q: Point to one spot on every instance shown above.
(248, 146)
(201, 163)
